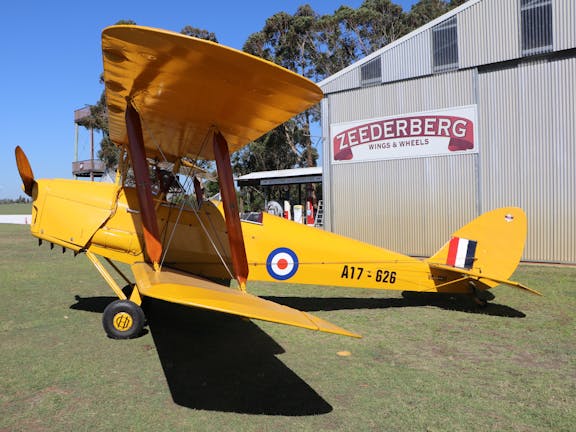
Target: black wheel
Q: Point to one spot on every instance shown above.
(123, 319)
(479, 302)
(480, 297)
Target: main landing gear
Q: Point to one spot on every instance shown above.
(123, 319)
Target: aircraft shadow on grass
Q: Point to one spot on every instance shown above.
(450, 302)
(219, 362)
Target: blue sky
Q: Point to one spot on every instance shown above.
(51, 62)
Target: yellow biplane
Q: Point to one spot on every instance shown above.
(173, 100)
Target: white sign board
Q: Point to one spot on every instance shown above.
(449, 131)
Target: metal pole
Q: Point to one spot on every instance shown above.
(75, 146)
(91, 154)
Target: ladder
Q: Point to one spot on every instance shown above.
(319, 220)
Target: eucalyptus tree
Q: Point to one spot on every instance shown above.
(199, 33)
(373, 25)
(289, 41)
(425, 11)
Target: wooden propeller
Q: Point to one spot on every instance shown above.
(25, 171)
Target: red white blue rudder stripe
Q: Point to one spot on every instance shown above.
(461, 253)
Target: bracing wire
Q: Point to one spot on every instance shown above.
(209, 233)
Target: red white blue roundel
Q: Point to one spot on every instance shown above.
(282, 263)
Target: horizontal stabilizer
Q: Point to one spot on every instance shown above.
(482, 277)
(186, 289)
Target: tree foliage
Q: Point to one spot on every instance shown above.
(373, 25)
(199, 33)
(291, 41)
(109, 152)
(426, 10)
(271, 152)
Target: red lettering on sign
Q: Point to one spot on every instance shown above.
(459, 130)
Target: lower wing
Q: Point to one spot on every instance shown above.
(183, 288)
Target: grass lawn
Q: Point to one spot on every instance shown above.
(425, 363)
(16, 208)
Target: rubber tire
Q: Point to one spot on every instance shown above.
(480, 303)
(114, 310)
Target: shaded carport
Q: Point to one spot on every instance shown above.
(283, 180)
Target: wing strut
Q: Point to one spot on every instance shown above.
(230, 203)
(143, 184)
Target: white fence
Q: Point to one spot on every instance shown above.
(15, 219)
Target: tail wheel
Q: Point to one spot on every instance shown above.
(123, 319)
(480, 297)
(479, 302)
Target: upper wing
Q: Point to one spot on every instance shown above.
(183, 288)
(182, 87)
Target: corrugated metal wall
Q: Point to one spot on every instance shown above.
(423, 94)
(369, 201)
(327, 174)
(411, 58)
(404, 205)
(564, 22)
(488, 32)
(349, 80)
(529, 154)
(527, 137)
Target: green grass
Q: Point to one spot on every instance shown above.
(425, 363)
(15, 208)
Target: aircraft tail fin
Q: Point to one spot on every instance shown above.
(486, 251)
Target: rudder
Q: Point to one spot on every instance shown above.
(491, 244)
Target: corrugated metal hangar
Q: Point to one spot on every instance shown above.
(474, 111)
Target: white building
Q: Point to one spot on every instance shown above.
(473, 111)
